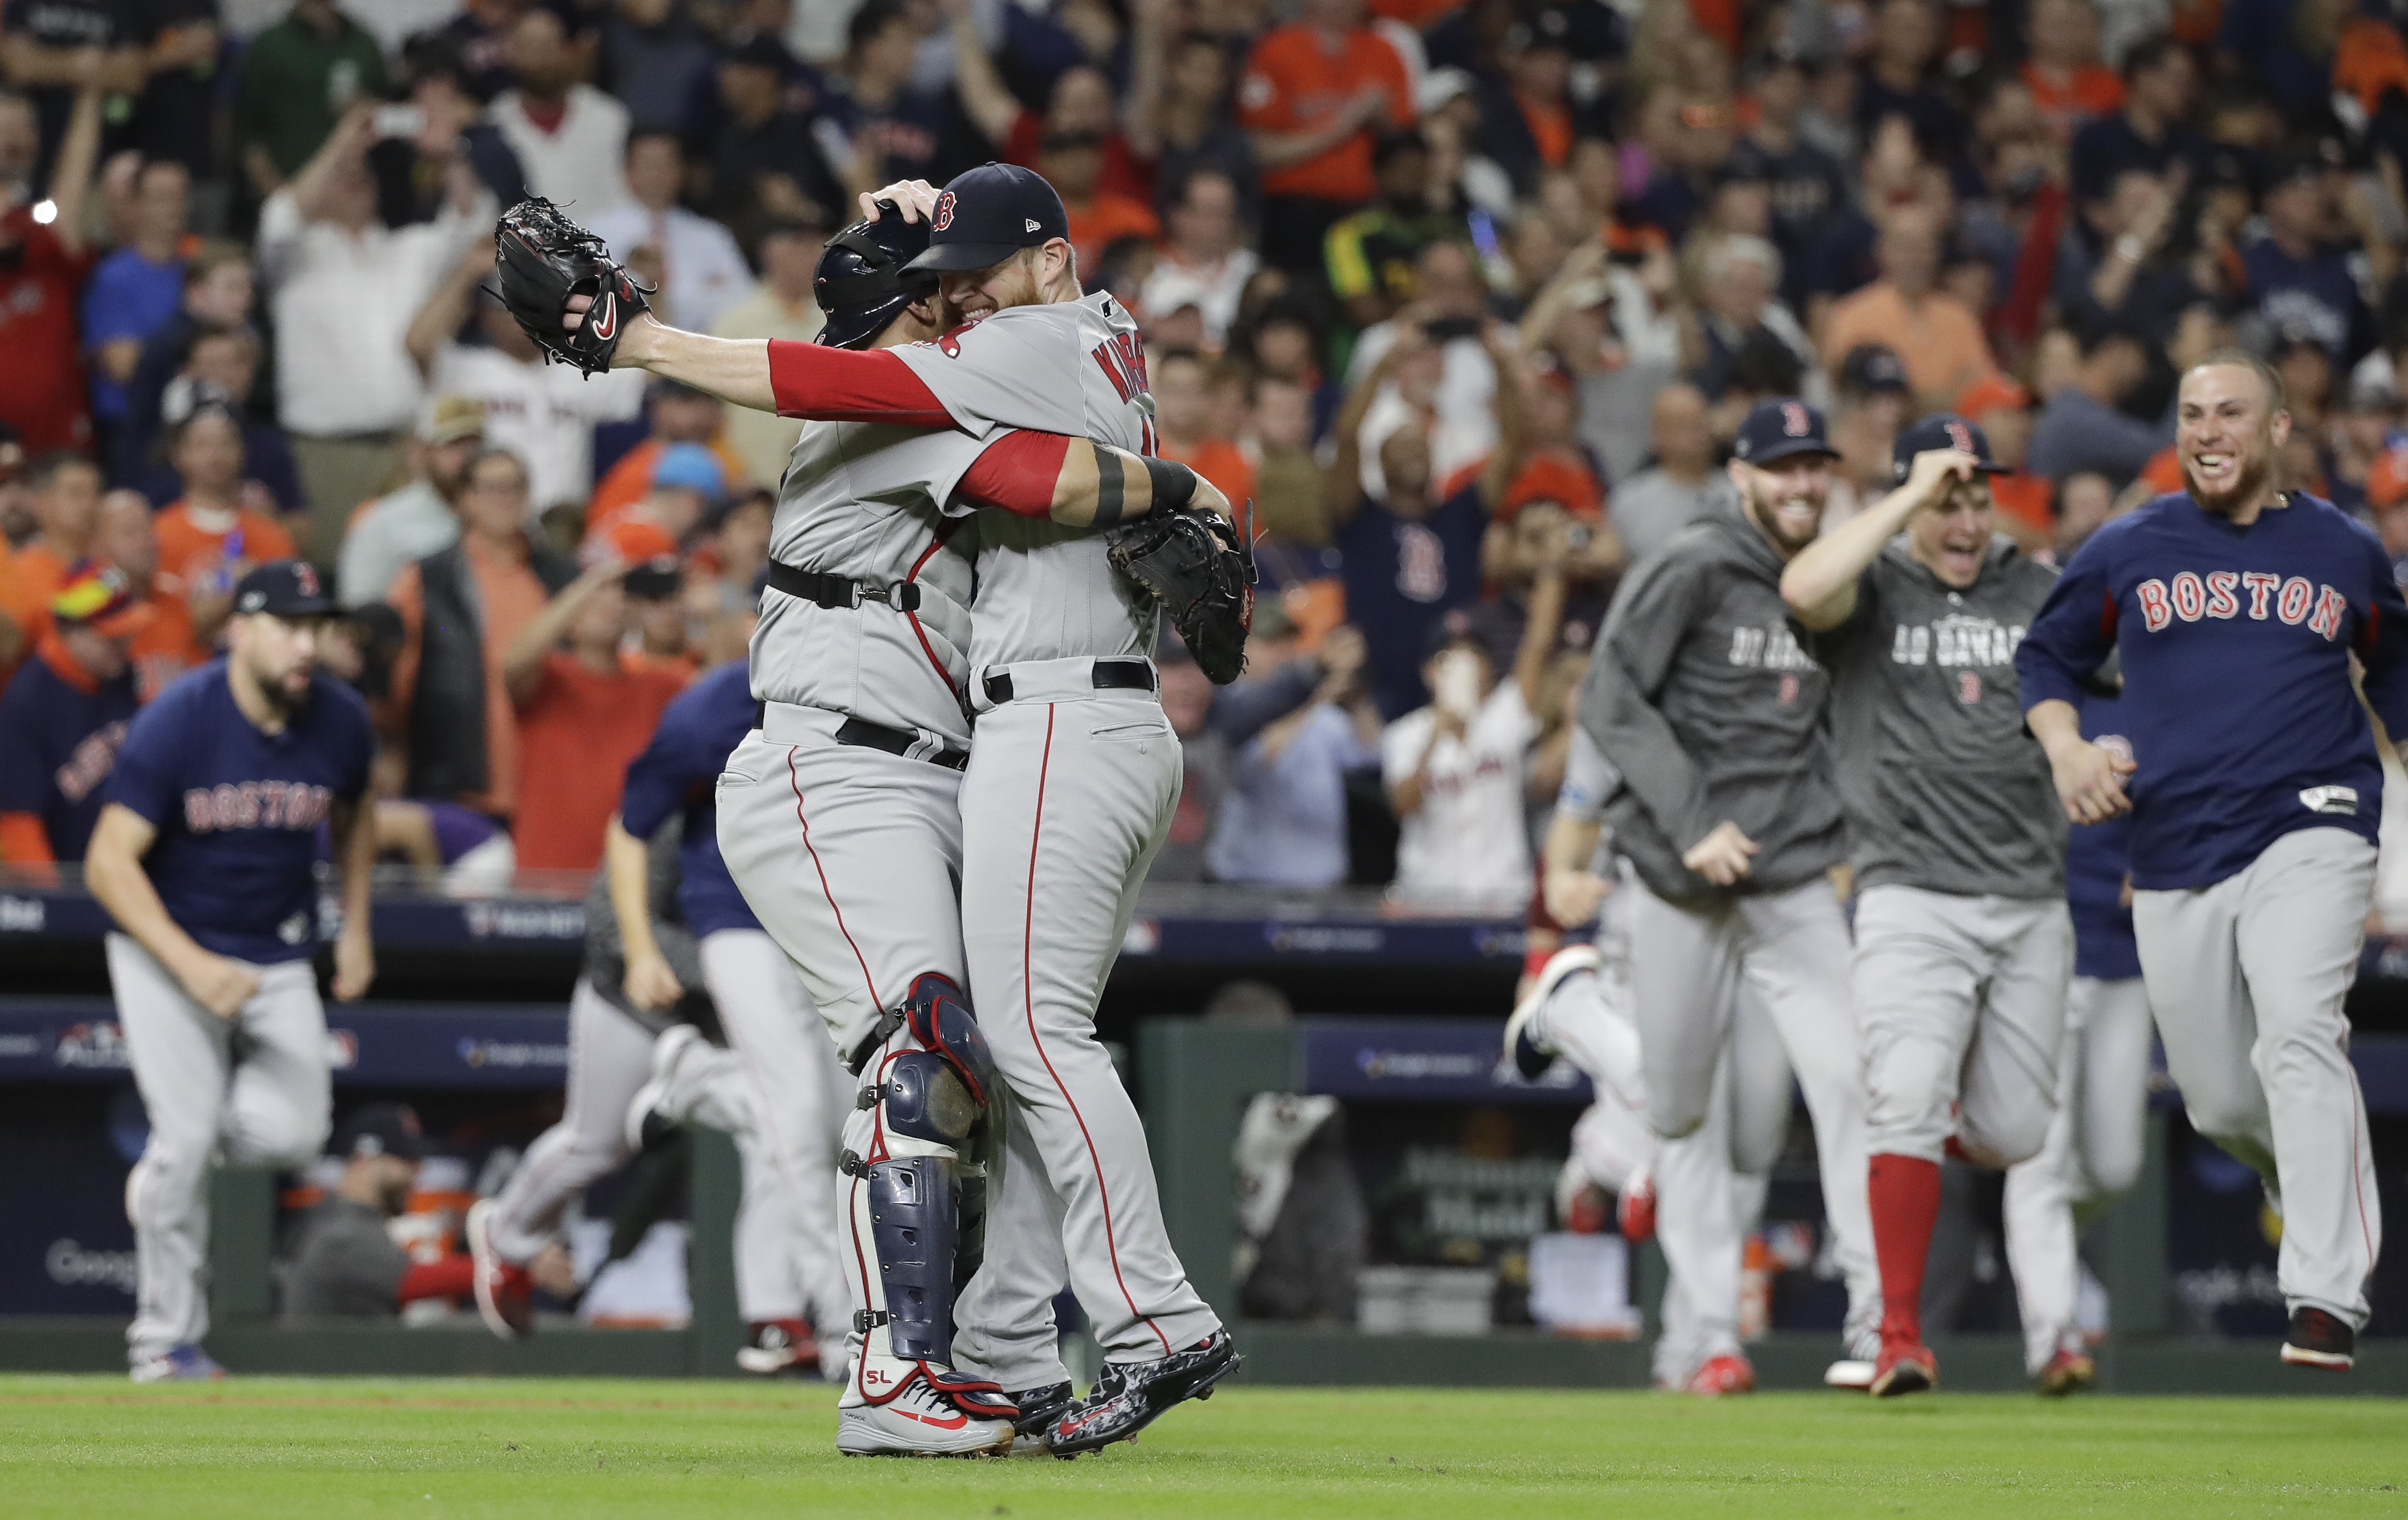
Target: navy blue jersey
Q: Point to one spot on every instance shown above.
(2235, 644)
(58, 742)
(1402, 573)
(2097, 856)
(678, 771)
(238, 810)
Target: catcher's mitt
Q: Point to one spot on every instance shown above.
(1200, 568)
(542, 259)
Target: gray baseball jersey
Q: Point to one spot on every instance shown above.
(1943, 788)
(1046, 592)
(865, 500)
(1701, 696)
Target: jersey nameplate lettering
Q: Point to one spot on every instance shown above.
(2224, 592)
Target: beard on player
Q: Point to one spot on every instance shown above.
(276, 656)
(1784, 500)
(2229, 433)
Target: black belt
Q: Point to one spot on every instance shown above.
(1111, 675)
(869, 735)
(840, 591)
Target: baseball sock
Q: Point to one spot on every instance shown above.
(1905, 1196)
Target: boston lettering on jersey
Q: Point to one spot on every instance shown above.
(255, 805)
(2218, 594)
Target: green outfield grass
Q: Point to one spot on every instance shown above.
(514, 1450)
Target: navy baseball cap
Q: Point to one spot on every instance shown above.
(1868, 368)
(382, 1130)
(1941, 430)
(990, 213)
(283, 589)
(1779, 427)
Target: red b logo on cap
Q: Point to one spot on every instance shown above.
(305, 578)
(1794, 421)
(945, 217)
(1958, 438)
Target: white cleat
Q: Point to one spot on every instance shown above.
(1849, 1373)
(1530, 1055)
(668, 1050)
(917, 1422)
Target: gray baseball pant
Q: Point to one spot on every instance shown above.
(851, 858)
(2093, 1153)
(1689, 960)
(1068, 797)
(609, 1057)
(2247, 978)
(249, 1090)
(1960, 1008)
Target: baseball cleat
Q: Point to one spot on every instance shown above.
(1530, 1055)
(919, 1422)
(1729, 1374)
(1634, 1211)
(1904, 1368)
(1039, 1408)
(2068, 1372)
(505, 1300)
(780, 1345)
(2318, 1339)
(647, 1126)
(1130, 1396)
(186, 1363)
(1850, 1373)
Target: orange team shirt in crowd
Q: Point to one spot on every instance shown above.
(1124, 173)
(1219, 461)
(1293, 84)
(630, 480)
(1551, 128)
(1938, 339)
(187, 540)
(577, 735)
(2164, 472)
(2386, 479)
(28, 579)
(2026, 498)
(1105, 221)
(510, 597)
(2092, 91)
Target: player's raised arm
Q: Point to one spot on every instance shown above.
(1820, 584)
(112, 868)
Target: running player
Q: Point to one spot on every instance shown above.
(1580, 1008)
(204, 856)
(1702, 702)
(790, 1107)
(2255, 790)
(1963, 946)
(2098, 1141)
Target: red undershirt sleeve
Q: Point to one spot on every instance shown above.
(1017, 472)
(822, 384)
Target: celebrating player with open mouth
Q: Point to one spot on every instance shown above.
(2254, 792)
(1963, 942)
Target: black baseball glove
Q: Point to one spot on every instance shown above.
(1199, 567)
(542, 259)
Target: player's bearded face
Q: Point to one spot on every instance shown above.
(2228, 436)
(1785, 499)
(975, 294)
(280, 654)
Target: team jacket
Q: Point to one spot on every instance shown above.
(1943, 787)
(1701, 698)
(2236, 646)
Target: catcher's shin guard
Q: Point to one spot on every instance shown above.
(917, 1196)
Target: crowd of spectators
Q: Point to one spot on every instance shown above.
(1466, 295)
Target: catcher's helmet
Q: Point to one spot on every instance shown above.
(862, 281)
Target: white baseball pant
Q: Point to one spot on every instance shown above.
(2247, 978)
(2093, 1153)
(609, 1057)
(249, 1090)
(1068, 797)
(1960, 1009)
(1689, 960)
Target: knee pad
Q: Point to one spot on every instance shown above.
(913, 1227)
(926, 1098)
(938, 1014)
